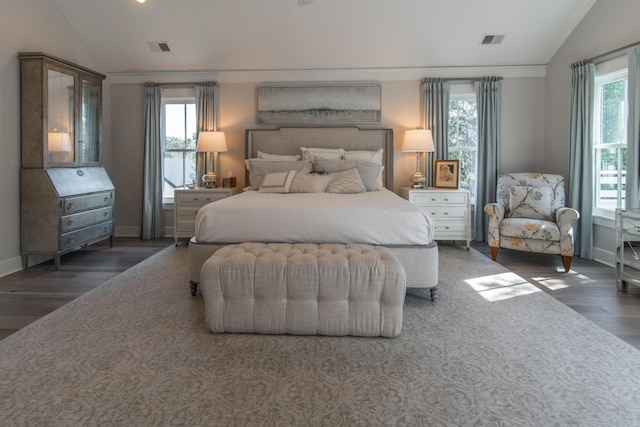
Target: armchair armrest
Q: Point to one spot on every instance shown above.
(565, 218)
(496, 215)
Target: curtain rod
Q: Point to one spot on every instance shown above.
(458, 79)
(612, 52)
(186, 84)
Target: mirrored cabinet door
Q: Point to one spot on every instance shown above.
(90, 131)
(60, 147)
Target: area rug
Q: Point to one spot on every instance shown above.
(492, 351)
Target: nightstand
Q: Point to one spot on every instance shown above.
(187, 203)
(449, 209)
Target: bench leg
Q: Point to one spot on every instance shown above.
(194, 287)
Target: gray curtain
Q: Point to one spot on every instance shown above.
(207, 119)
(152, 224)
(489, 103)
(632, 194)
(581, 155)
(435, 110)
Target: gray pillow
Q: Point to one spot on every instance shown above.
(346, 182)
(370, 173)
(258, 168)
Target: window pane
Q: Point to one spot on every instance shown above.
(191, 126)
(609, 180)
(613, 113)
(179, 171)
(175, 126)
(463, 124)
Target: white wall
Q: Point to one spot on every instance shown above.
(25, 26)
(610, 24)
(522, 135)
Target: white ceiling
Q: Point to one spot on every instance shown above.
(208, 35)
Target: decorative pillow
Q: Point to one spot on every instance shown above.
(346, 182)
(277, 182)
(365, 156)
(370, 173)
(278, 157)
(308, 154)
(258, 168)
(530, 202)
(305, 182)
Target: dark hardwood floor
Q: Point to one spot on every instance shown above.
(27, 295)
(589, 288)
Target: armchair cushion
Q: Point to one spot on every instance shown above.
(528, 228)
(530, 202)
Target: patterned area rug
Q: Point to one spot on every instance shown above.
(492, 351)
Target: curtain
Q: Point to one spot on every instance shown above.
(581, 155)
(489, 107)
(632, 192)
(435, 110)
(152, 224)
(207, 119)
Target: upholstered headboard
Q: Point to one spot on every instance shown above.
(288, 140)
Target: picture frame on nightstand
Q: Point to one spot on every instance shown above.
(446, 174)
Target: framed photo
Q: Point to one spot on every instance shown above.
(327, 104)
(446, 173)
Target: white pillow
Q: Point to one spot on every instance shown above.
(530, 202)
(309, 154)
(305, 182)
(346, 182)
(370, 173)
(277, 182)
(278, 157)
(365, 156)
(258, 168)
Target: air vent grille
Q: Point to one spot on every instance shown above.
(492, 39)
(159, 46)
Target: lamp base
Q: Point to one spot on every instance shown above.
(209, 180)
(418, 180)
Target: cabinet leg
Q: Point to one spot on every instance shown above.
(622, 285)
(56, 262)
(194, 287)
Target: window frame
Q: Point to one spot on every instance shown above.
(607, 73)
(178, 98)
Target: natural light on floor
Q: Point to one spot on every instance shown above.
(501, 286)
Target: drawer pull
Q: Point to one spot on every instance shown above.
(69, 222)
(446, 200)
(106, 229)
(446, 213)
(69, 206)
(69, 239)
(106, 199)
(105, 214)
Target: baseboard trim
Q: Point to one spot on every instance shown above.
(10, 266)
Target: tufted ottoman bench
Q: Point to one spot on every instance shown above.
(304, 289)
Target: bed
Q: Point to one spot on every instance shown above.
(369, 217)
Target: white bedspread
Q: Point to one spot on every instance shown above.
(374, 217)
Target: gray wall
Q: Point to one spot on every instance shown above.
(610, 24)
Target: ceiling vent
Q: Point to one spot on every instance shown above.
(492, 39)
(159, 46)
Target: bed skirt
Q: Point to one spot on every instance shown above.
(420, 264)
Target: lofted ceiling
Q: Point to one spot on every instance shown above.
(206, 35)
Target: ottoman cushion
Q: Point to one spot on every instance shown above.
(304, 289)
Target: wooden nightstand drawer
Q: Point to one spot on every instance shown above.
(444, 213)
(436, 197)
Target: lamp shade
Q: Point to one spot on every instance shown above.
(59, 141)
(416, 140)
(211, 142)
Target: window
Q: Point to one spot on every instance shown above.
(179, 145)
(610, 140)
(463, 139)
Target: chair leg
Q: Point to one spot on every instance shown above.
(566, 261)
(494, 252)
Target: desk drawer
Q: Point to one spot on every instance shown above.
(85, 235)
(83, 219)
(199, 199)
(88, 201)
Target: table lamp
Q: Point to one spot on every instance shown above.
(418, 141)
(211, 142)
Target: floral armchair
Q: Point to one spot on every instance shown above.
(530, 215)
